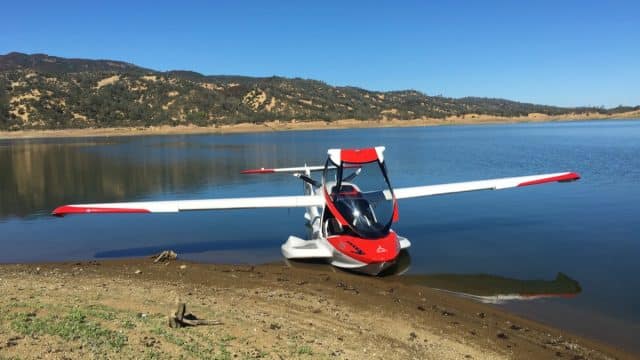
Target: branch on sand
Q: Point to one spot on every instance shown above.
(166, 255)
(181, 318)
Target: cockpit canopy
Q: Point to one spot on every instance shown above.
(358, 192)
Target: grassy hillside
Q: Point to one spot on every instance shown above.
(46, 92)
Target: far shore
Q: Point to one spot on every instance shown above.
(271, 126)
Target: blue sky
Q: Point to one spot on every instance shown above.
(553, 52)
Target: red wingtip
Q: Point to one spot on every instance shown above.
(64, 210)
(258, 171)
(69, 209)
(572, 176)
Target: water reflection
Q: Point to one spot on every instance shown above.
(36, 176)
(486, 288)
(497, 289)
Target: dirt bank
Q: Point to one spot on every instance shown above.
(118, 309)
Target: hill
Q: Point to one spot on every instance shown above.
(47, 92)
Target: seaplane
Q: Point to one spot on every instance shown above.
(349, 211)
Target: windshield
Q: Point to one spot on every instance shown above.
(362, 195)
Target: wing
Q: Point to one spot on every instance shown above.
(493, 184)
(192, 205)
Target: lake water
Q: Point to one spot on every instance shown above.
(589, 230)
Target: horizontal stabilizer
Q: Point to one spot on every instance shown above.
(299, 169)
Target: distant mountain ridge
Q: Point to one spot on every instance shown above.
(40, 91)
(53, 64)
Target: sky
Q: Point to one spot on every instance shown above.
(562, 52)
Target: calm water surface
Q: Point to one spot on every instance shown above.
(589, 230)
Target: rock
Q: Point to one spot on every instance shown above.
(183, 266)
(149, 341)
(138, 272)
(244, 269)
(481, 315)
(502, 335)
(13, 341)
(346, 287)
(255, 354)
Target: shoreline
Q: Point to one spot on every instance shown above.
(276, 126)
(267, 311)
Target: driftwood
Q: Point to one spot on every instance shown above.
(166, 255)
(182, 319)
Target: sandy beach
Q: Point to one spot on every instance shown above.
(120, 308)
(468, 119)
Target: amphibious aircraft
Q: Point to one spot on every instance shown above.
(349, 211)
